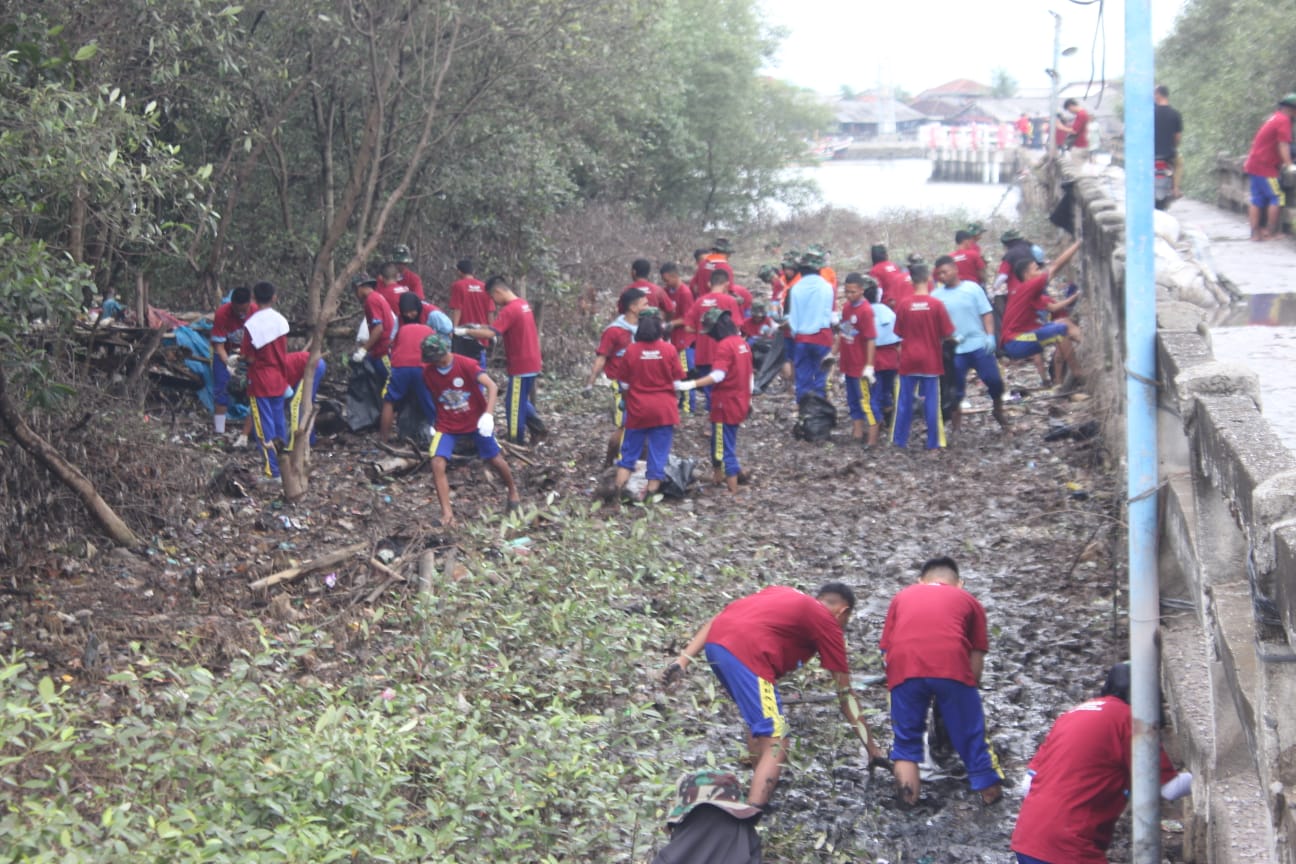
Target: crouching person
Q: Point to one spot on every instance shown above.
(465, 400)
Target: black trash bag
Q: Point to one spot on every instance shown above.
(364, 398)
(1063, 215)
(711, 836)
(411, 424)
(948, 380)
(767, 359)
(816, 417)
(679, 476)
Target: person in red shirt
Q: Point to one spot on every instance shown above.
(613, 345)
(759, 325)
(923, 323)
(265, 345)
(934, 642)
(470, 306)
(709, 263)
(971, 266)
(680, 335)
(515, 325)
(730, 380)
(640, 269)
(718, 297)
(296, 374)
(406, 379)
(382, 324)
(226, 334)
(648, 372)
(1022, 334)
(1023, 126)
(856, 334)
(1074, 136)
(406, 278)
(895, 284)
(1080, 780)
(791, 270)
(1270, 157)
(758, 639)
(465, 398)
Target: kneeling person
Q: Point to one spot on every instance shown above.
(465, 398)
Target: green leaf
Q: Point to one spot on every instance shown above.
(85, 52)
(46, 689)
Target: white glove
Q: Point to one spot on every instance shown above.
(834, 319)
(486, 425)
(461, 331)
(683, 386)
(288, 394)
(868, 373)
(359, 355)
(231, 363)
(1177, 787)
(990, 343)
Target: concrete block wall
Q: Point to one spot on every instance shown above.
(1227, 553)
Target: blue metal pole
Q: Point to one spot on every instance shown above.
(1140, 430)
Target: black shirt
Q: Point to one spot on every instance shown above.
(1167, 123)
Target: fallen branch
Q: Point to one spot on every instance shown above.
(292, 573)
(385, 570)
(394, 466)
(516, 452)
(427, 570)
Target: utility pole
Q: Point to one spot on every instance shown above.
(1053, 86)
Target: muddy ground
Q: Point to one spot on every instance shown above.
(1034, 526)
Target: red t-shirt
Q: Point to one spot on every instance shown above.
(470, 297)
(267, 365)
(683, 300)
(894, 282)
(657, 296)
(930, 630)
(778, 287)
(971, 266)
(515, 323)
(1023, 304)
(744, 298)
(731, 398)
(390, 292)
(1263, 160)
(227, 326)
(379, 313)
(460, 403)
(650, 369)
(407, 347)
(886, 358)
(427, 310)
(1082, 772)
(704, 346)
(616, 339)
(1081, 126)
(295, 366)
(757, 328)
(923, 323)
(411, 282)
(701, 281)
(777, 629)
(857, 328)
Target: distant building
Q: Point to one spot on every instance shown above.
(957, 90)
(868, 116)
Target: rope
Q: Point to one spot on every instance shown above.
(1130, 373)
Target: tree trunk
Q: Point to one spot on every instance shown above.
(65, 471)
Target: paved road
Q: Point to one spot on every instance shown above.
(1253, 268)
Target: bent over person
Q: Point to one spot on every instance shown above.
(758, 639)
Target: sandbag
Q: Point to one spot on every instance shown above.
(816, 417)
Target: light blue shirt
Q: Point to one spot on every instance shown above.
(966, 302)
(812, 305)
(884, 323)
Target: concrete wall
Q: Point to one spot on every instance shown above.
(1227, 552)
(1233, 188)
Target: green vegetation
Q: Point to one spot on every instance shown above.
(1227, 63)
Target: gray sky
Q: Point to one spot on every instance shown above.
(919, 44)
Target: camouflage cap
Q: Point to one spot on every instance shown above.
(650, 312)
(433, 347)
(723, 245)
(975, 229)
(759, 307)
(710, 787)
(401, 255)
(1009, 236)
(765, 273)
(712, 317)
(916, 258)
(362, 279)
(791, 257)
(812, 258)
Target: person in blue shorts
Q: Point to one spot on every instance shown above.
(465, 399)
(974, 340)
(1023, 336)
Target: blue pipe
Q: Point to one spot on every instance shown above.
(1141, 430)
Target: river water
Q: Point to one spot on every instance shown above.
(872, 187)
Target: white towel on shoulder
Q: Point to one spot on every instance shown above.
(265, 326)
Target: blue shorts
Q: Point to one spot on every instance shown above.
(757, 699)
(443, 445)
(1032, 343)
(1265, 192)
(960, 708)
(860, 408)
(220, 382)
(657, 439)
(403, 381)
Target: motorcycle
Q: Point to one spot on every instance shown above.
(1163, 185)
